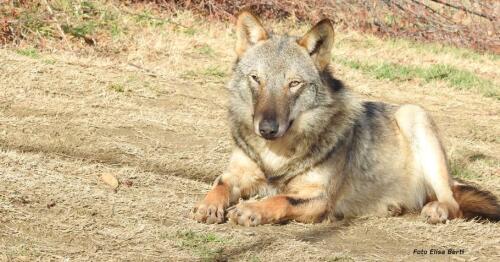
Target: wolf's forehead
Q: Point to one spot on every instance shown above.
(282, 46)
(278, 53)
(283, 43)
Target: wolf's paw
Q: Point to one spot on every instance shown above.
(245, 214)
(438, 212)
(435, 212)
(395, 210)
(210, 213)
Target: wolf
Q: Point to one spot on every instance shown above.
(314, 152)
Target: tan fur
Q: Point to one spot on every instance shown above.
(418, 128)
(333, 156)
(476, 203)
(211, 208)
(219, 195)
(243, 178)
(323, 32)
(276, 209)
(309, 185)
(249, 31)
(271, 210)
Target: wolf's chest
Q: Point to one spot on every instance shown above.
(273, 160)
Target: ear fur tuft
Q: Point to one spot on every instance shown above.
(319, 42)
(249, 31)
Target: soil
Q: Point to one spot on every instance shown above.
(155, 118)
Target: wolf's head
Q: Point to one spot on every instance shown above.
(279, 79)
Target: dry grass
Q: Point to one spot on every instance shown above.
(153, 114)
(465, 23)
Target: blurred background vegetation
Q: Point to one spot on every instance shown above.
(467, 23)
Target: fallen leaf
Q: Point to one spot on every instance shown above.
(110, 180)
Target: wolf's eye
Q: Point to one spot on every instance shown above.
(294, 83)
(255, 79)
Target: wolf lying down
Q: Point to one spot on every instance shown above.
(317, 153)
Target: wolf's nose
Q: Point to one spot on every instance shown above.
(268, 128)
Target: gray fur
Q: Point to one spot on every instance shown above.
(318, 152)
(336, 128)
(316, 136)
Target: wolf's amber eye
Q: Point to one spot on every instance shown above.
(294, 83)
(255, 78)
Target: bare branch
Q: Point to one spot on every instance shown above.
(464, 9)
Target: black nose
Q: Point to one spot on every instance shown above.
(268, 128)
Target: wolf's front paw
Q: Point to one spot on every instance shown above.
(210, 213)
(245, 214)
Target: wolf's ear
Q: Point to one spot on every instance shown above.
(319, 42)
(249, 31)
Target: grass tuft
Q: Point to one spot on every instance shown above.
(340, 259)
(81, 30)
(206, 246)
(189, 31)
(393, 72)
(254, 259)
(214, 71)
(456, 78)
(440, 48)
(148, 18)
(29, 52)
(117, 88)
(49, 61)
(206, 50)
(460, 170)
(211, 71)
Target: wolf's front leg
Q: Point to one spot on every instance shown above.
(278, 209)
(304, 199)
(243, 178)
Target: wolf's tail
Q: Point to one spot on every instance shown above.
(476, 203)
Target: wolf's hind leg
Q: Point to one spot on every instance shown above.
(419, 130)
(435, 212)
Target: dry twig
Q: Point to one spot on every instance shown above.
(56, 22)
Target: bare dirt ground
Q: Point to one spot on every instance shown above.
(152, 113)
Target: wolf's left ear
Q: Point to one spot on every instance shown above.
(319, 42)
(249, 31)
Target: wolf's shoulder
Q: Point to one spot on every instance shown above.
(374, 109)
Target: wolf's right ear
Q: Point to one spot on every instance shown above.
(319, 42)
(249, 31)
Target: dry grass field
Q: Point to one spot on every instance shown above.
(147, 104)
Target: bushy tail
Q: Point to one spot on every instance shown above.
(476, 203)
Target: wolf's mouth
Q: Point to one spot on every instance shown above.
(290, 125)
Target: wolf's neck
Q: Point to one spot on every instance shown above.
(299, 152)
